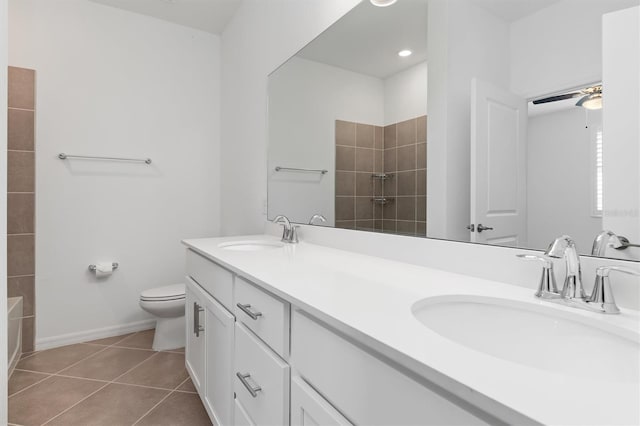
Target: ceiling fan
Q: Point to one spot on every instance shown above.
(590, 97)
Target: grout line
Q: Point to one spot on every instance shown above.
(31, 385)
(83, 399)
(153, 408)
(21, 150)
(21, 109)
(161, 401)
(99, 389)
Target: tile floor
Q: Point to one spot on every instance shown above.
(112, 382)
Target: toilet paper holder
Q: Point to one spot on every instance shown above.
(92, 268)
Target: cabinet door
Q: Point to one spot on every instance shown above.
(219, 358)
(308, 408)
(195, 341)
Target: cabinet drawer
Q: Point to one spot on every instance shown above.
(214, 279)
(261, 381)
(241, 416)
(364, 388)
(308, 408)
(264, 314)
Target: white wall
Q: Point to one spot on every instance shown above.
(305, 100)
(566, 51)
(559, 184)
(464, 42)
(405, 94)
(621, 139)
(261, 36)
(111, 82)
(3, 207)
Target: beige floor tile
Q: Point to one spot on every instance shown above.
(22, 379)
(164, 370)
(177, 410)
(140, 340)
(108, 341)
(187, 386)
(179, 350)
(47, 399)
(54, 360)
(108, 364)
(112, 406)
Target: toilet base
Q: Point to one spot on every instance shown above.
(170, 334)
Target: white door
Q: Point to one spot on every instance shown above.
(219, 358)
(498, 166)
(195, 341)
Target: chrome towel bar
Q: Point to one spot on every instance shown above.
(293, 169)
(64, 156)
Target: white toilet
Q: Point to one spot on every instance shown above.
(167, 305)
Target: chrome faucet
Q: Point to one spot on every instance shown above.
(317, 217)
(572, 294)
(602, 241)
(289, 231)
(565, 247)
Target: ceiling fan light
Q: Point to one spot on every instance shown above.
(382, 3)
(592, 101)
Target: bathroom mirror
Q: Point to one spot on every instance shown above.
(471, 120)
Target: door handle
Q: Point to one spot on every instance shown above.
(197, 328)
(245, 308)
(481, 228)
(253, 390)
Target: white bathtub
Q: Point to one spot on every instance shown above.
(14, 344)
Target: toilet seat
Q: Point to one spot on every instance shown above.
(163, 294)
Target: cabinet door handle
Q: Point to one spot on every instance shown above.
(253, 390)
(197, 328)
(246, 310)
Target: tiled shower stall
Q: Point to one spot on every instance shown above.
(381, 176)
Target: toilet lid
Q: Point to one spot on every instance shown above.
(169, 292)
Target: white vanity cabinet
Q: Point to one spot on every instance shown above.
(210, 339)
(238, 368)
(257, 360)
(363, 387)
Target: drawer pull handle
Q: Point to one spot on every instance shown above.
(246, 310)
(197, 328)
(252, 390)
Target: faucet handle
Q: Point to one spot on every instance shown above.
(602, 295)
(319, 217)
(547, 288)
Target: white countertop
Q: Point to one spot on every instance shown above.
(370, 300)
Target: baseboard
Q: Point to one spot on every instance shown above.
(98, 333)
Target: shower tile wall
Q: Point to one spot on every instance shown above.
(405, 157)
(400, 150)
(21, 197)
(359, 151)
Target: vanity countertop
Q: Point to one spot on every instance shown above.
(370, 300)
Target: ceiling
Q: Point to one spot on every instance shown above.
(207, 15)
(512, 10)
(368, 38)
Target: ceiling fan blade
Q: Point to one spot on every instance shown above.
(558, 98)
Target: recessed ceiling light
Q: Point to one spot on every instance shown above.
(382, 3)
(404, 53)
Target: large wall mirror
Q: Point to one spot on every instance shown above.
(484, 121)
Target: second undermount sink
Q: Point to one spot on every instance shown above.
(535, 335)
(253, 245)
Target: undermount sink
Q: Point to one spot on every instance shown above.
(534, 335)
(255, 245)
